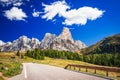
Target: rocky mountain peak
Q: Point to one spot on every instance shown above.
(24, 39)
(49, 36)
(34, 43)
(1, 43)
(23, 43)
(66, 34)
(80, 44)
(35, 40)
(47, 40)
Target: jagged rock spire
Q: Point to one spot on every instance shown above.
(66, 34)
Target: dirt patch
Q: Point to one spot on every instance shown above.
(1, 75)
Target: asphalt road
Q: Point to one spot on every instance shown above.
(33, 71)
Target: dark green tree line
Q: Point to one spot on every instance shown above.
(99, 59)
(36, 54)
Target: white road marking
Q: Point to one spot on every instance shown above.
(25, 72)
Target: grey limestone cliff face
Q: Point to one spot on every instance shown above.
(66, 35)
(62, 42)
(50, 41)
(47, 40)
(6, 47)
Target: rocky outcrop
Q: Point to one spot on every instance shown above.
(46, 42)
(6, 47)
(1, 43)
(66, 35)
(80, 44)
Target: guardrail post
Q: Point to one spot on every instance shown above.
(66, 67)
(74, 67)
(107, 73)
(79, 69)
(70, 67)
(86, 69)
(95, 71)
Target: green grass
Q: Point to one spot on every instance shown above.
(13, 69)
(8, 66)
(1, 78)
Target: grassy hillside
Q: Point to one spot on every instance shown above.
(107, 45)
(9, 66)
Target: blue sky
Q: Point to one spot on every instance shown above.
(88, 20)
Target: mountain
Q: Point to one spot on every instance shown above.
(109, 44)
(66, 35)
(23, 43)
(62, 42)
(1, 43)
(50, 41)
(47, 41)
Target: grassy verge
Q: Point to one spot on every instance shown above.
(1, 78)
(9, 66)
(62, 63)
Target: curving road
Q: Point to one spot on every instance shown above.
(33, 71)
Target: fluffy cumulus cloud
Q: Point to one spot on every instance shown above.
(15, 14)
(55, 8)
(81, 15)
(72, 16)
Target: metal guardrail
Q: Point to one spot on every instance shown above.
(107, 69)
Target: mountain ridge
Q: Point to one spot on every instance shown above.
(50, 41)
(109, 44)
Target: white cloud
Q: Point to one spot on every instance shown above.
(4, 0)
(15, 14)
(72, 16)
(9, 2)
(55, 8)
(36, 13)
(81, 15)
(18, 4)
(12, 2)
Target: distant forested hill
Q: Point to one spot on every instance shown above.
(110, 44)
